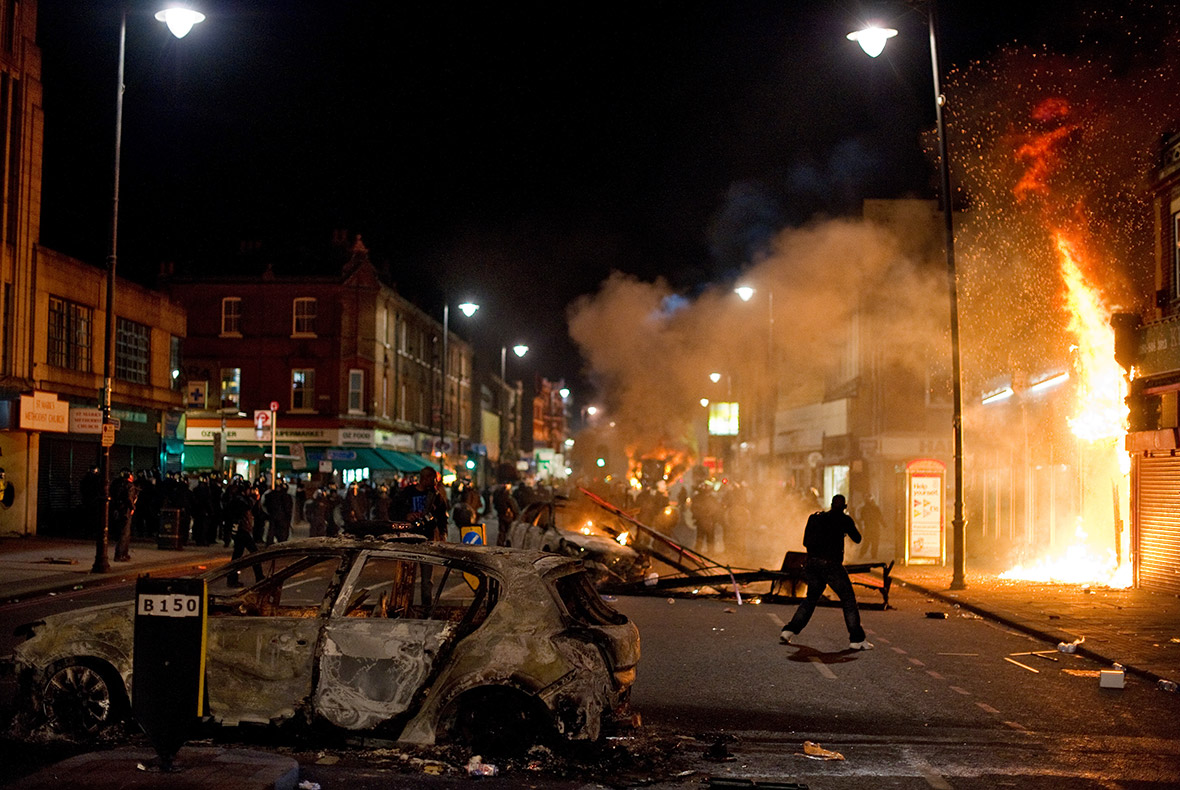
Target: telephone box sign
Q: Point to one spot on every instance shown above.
(925, 512)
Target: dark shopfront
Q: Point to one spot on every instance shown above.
(65, 458)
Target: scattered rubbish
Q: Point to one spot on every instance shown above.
(1166, 685)
(52, 593)
(970, 616)
(729, 610)
(76, 587)
(610, 598)
(58, 561)
(1082, 673)
(1054, 617)
(432, 769)
(682, 774)
(1086, 589)
(1046, 657)
(1111, 678)
(307, 784)
(330, 759)
(651, 579)
(718, 753)
(936, 615)
(671, 600)
(1175, 639)
(1022, 666)
(533, 765)
(1070, 647)
(814, 751)
(477, 767)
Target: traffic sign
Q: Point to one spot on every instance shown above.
(261, 419)
(274, 405)
(108, 434)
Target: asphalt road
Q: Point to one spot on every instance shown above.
(940, 703)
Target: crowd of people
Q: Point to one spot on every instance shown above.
(210, 508)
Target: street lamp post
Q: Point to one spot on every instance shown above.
(520, 349)
(872, 40)
(179, 21)
(468, 309)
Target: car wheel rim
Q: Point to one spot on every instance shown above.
(77, 700)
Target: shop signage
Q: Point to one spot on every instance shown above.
(42, 411)
(86, 420)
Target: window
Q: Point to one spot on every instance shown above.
(356, 391)
(303, 388)
(389, 587)
(290, 585)
(231, 388)
(132, 351)
(303, 316)
(69, 334)
(231, 316)
(1176, 254)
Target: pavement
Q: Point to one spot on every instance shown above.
(1138, 629)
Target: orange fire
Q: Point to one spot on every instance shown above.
(1099, 422)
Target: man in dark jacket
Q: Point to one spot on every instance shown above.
(824, 540)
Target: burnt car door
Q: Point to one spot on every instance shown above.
(388, 633)
(262, 636)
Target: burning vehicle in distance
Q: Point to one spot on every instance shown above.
(578, 528)
(509, 648)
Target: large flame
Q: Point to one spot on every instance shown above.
(1099, 421)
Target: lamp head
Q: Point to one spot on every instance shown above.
(520, 349)
(744, 292)
(468, 308)
(180, 19)
(872, 39)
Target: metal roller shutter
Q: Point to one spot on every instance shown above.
(1158, 513)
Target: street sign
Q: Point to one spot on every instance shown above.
(274, 405)
(108, 434)
(261, 419)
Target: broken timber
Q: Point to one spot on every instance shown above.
(696, 570)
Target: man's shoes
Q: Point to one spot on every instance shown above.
(786, 636)
(864, 644)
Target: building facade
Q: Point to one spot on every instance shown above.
(353, 369)
(1148, 347)
(52, 336)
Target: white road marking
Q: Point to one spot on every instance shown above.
(986, 708)
(898, 650)
(774, 618)
(917, 663)
(1016, 726)
(961, 690)
(1022, 666)
(823, 668)
(934, 675)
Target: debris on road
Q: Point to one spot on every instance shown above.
(1166, 685)
(718, 753)
(307, 784)
(1112, 678)
(814, 751)
(477, 767)
(936, 615)
(1070, 647)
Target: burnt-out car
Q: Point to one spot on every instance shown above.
(507, 648)
(578, 528)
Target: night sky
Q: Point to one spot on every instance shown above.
(513, 153)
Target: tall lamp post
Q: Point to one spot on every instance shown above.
(872, 40)
(468, 309)
(180, 21)
(520, 349)
(746, 293)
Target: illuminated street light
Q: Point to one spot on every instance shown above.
(180, 19)
(872, 39)
(745, 292)
(468, 309)
(101, 563)
(564, 392)
(958, 579)
(714, 377)
(592, 410)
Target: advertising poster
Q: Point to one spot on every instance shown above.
(925, 519)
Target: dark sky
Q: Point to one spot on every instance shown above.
(514, 153)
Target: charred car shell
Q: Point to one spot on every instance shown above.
(507, 644)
